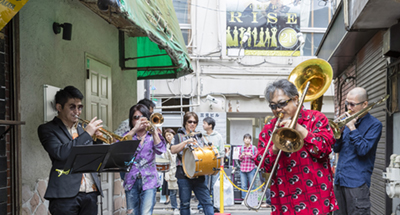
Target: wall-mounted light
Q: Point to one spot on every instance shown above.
(67, 29)
(301, 41)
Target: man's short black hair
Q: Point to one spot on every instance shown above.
(210, 121)
(69, 92)
(147, 102)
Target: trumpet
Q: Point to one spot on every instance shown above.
(108, 137)
(156, 120)
(337, 126)
(343, 116)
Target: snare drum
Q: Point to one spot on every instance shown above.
(201, 161)
(162, 165)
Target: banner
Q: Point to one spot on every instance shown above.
(8, 9)
(272, 25)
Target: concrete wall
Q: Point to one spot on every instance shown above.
(48, 59)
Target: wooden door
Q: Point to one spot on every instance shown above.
(98, 103)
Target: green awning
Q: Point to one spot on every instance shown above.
(164, 39)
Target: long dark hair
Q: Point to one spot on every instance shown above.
(142, 109)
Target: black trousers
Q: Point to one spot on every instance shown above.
(353, 201)
(82, 204)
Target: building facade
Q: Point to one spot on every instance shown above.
(360, 46)
(231, 76)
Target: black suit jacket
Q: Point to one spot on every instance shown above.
(58, 142)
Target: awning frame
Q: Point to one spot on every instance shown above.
(123, 58)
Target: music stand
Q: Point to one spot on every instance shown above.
(101, 157)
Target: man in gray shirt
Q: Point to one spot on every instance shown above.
(216, 139)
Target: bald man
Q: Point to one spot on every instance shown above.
(357, 148)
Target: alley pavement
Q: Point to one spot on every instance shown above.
(161, 208)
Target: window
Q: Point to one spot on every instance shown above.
(315, 18)
(182, 10)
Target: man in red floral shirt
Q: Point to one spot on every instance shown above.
(303, 183)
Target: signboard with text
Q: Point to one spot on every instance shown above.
(220, 122)
(8, 9)
(272, 25)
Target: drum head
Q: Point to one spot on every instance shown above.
(162, 161)
(189, 163)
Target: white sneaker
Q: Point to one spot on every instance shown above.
(193, 211)
(176, 212)
(243, 203)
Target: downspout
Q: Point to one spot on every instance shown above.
(346, 15)
(147, 89)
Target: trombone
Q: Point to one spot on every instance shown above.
(338, 124)
(311, 77)
(108, 137)
(278, 121)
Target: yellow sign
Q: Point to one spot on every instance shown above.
(287, 37)
(8, 9)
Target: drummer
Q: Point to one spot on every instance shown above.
(141, 182)
(185, 136)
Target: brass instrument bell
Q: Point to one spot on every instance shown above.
(312, 77)
(316, 71)
(108, 136)
(156, 120)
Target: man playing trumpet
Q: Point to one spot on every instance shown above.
(69, 194)
(302, 183)
(357, 147)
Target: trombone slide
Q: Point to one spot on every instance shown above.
(278, 121)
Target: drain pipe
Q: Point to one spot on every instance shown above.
(147, 89)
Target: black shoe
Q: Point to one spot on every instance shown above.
(216, 210)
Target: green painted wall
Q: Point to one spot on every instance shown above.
(48, 59)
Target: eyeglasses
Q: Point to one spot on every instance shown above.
(137, 117)
(73, 107)
(279, 105)
(191, 122)
(352, 104)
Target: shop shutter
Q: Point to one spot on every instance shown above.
(371, 75)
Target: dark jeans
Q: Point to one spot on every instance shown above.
(141, 201)
(82, 204)
(353, 201)
(199, 206)
(198, 186)
(245, 180)
(172, 196)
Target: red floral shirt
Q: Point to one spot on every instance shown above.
(303, 183)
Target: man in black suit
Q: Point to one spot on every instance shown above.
(72, 194)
